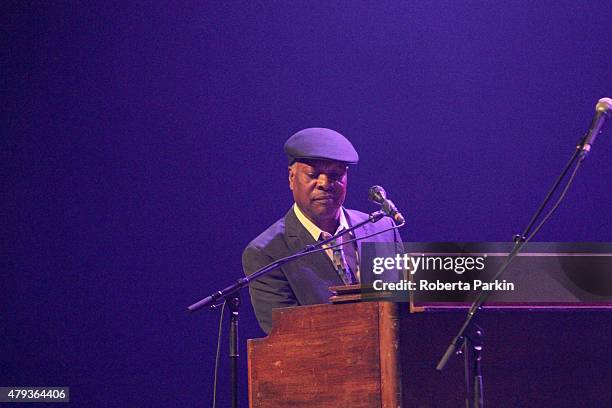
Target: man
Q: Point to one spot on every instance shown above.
(318, 167)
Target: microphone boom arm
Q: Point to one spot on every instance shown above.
(244, 281)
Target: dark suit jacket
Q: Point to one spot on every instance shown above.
(305, 281)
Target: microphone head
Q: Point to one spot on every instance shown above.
(377, 194)
(604, 105)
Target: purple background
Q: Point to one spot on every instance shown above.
(142, 151)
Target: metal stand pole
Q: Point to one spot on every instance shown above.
(472, 349)
(476, 348)
(233, 301)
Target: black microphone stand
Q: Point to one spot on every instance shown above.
(233, 301)
(472, 352)
(470, 336)
(230, 294)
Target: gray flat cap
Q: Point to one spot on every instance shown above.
(320, 143)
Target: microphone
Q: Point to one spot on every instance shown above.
(603, 111)
(378, 195)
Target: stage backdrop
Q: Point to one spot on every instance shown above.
(142, 151)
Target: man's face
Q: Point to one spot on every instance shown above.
(319, 188)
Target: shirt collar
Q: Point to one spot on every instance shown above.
(312, 228)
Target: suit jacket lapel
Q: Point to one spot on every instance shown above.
(359, 232)
(298, 237)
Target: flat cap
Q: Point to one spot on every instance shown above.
(320, 143)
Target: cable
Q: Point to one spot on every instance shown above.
(214, 402)
(561, 176)
(554, 208)
(519, 244)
